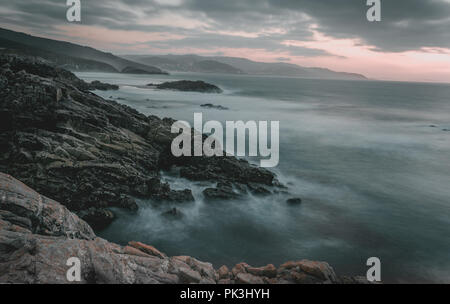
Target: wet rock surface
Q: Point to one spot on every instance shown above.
(90, 153)
(38, 235)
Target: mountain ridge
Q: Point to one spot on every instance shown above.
(68, 53)
(237, 65)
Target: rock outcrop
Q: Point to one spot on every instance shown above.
(90, 153)
(38, 236)
(211, 106)
(187, 86)
(98, 85)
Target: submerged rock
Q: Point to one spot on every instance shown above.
(173, 213)
(188, 86)
(294, 201)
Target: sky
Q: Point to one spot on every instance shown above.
(411, 43)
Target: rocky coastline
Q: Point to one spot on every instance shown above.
(89, 154)
(38, 235)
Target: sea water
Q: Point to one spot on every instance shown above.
(370, 160)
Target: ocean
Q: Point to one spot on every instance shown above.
(370, 160)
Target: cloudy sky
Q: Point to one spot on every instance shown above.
(412, 42)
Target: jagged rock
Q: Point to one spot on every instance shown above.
(89, 153)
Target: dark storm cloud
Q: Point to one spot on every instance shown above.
(406, 24)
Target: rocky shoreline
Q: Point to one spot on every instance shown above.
(38, 235)
(90, 154)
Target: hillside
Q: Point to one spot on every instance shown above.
(69, 55)
(186, 63)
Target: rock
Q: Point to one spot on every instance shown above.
(257, 189)
(133, 251)
(143, 71)
(303, 278)
(446, 130)
(188, 86)
(223, 272)
(267, 271)
(294, 201)
(36, 213)
(189, 276)
(98, 218)
(247, 278)
(97, 85)
(179, 196)
(239, 268)
(211, 106)
(150, 250)
(220, 194)
(321, 270)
